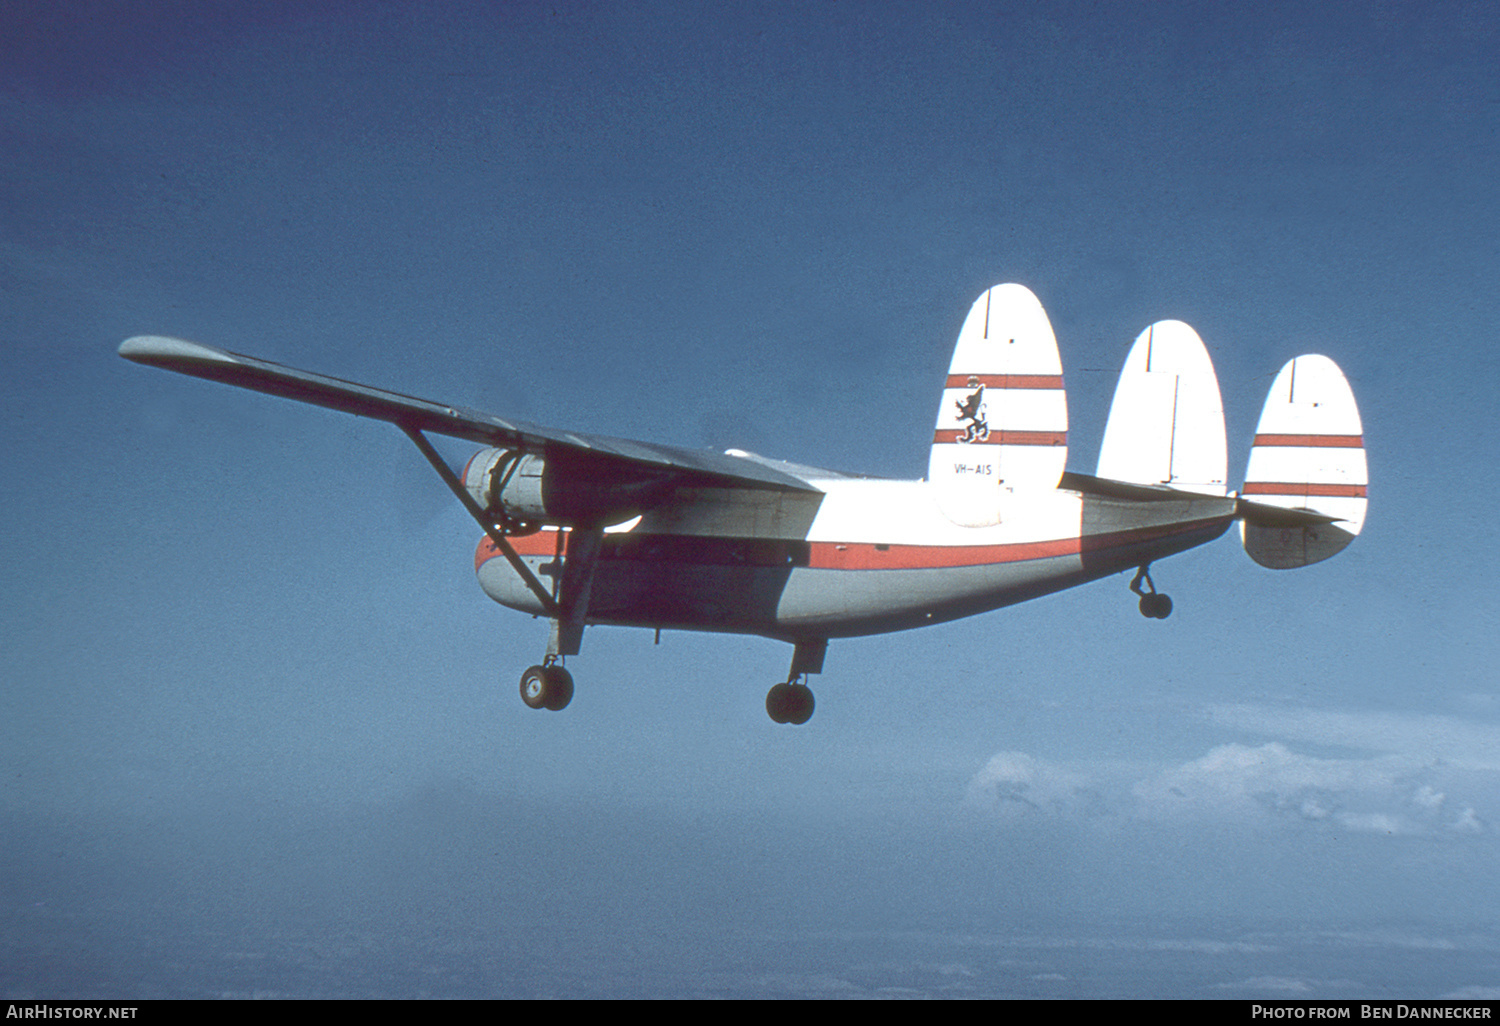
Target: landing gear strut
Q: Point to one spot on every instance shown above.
(549, 686)
(1154, 604)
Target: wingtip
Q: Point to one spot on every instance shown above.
(160, 350)
(138, 347)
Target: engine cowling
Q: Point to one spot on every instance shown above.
(564, 488)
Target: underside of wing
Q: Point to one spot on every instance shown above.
(598, 457)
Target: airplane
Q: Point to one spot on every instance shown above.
(585, 529)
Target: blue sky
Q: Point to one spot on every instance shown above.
(231, 619)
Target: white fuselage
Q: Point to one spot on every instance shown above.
(875, 555)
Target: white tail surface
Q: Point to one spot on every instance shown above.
(1166, 424)
(1002, 426)
(1309, 453)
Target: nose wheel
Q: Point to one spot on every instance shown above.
(1154, 604)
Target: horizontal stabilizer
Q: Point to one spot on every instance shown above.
(1166, 424)
(1258, 514)
(1002, 424)
(1309, 454)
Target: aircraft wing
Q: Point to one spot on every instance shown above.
(694, 466)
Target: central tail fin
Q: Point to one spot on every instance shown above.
(1166, 424)
(1309, 454)
(1002, 426)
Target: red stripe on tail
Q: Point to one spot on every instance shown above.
(1285, 488)
(1038, 381)
(997, 437)
(1313, 441)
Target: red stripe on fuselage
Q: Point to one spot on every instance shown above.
(542, 543)
(1295, 489)
(1313, 441)
(999, 437)
(868, 555)
(1032, 381)
(865, 556)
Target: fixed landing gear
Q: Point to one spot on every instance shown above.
(1154, 604)
(790, 703)
(547, 687)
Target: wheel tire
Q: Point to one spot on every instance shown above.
(778, 702)
(801, 705)
(1156, 606)
(534, 687)
(559, 688)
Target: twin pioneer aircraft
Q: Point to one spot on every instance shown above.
(583, 529)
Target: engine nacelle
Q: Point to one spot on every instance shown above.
(564, 488)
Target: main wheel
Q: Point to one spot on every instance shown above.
(547, 687)
(534, 687)
(789, 703)
(778, 702)
(802, 705)
(559, 688)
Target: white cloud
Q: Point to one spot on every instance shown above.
(1428, 798)
(1245, 783)
(1395, 793)
(1013, 785)
(1467, 822)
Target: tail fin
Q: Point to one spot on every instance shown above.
(1002, 425)
(1309, 454)
(1166, 424)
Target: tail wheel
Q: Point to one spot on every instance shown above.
(547, 687)
(1156, 606)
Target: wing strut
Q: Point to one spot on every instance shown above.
(457, 488)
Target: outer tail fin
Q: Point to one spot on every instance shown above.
(1309, 454)
(1002, 426)
(1166, 424)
